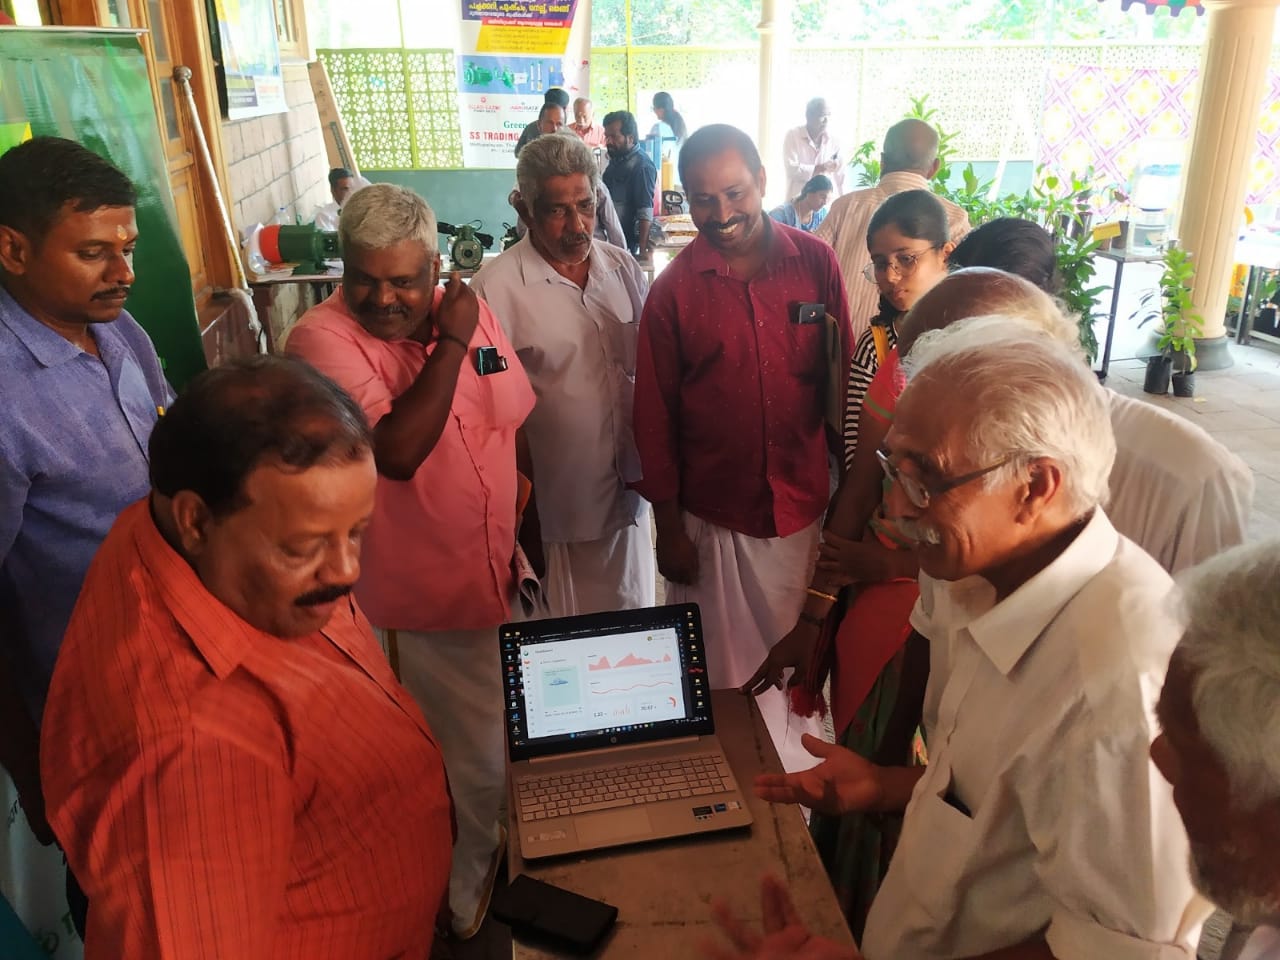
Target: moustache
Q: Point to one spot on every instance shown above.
(731, 222)
(115, 294)
(918, 532)
(575, 240)
(324, 595)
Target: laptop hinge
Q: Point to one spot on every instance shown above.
(614, 748)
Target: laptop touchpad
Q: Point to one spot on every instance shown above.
(611, 825)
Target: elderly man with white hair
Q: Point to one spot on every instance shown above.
(571, 307)
(1175, 491)
(1039, 827)
(440, 385)
(1219, 715)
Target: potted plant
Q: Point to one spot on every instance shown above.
(1078, 292)
(1170, 305)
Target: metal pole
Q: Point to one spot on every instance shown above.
(182, 77)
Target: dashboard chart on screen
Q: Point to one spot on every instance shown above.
(571, 686)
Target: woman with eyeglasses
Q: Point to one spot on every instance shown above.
(909, 242)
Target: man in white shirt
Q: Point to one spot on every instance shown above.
(1174, 490)
(571, 307)
(811, 149)
(342, 184)
(1219, 715)
(908, 161)
(1039, 828)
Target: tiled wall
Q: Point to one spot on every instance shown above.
(279, 161)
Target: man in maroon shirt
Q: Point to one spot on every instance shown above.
(729, 402)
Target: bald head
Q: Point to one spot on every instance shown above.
(910, 146)
(981, 292)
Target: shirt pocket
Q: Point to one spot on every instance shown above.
(499, 398)
(806, 351)
(623, 338)
(941, 852)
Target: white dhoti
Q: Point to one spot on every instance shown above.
(455, 677)
(614, 573)
(750, 592)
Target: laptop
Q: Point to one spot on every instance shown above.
(610, 733)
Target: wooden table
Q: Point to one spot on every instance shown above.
(663, 890)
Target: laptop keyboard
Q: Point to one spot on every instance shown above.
(583, 791)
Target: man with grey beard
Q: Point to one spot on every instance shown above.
(1219, 715)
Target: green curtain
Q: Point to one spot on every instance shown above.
(92, 86)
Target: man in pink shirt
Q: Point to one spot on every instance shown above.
(585, 126)
(445, 397)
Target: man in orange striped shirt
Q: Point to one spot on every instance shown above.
(227, 760)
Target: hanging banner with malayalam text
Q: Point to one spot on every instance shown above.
(511, 52)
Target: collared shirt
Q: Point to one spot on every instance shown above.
(222, 792)
(730, 391)
(801, 154)
(846, 230)
(1175, 491)
(631, 181)
(73, 454)
(592, 136)
(578, 347)
(787, 213)
(437, 555)
(1040, 812)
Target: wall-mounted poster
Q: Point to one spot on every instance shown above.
(511, 52)
(250, 58)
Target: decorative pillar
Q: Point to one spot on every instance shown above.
(1233, 72)
(775, 49)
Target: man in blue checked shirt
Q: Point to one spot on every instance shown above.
(82, 388)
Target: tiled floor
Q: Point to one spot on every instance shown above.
(1240, 407)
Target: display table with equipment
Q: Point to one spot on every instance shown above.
(663, 890)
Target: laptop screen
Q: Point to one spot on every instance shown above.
(604, 679)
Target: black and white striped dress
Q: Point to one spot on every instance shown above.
(862, 368)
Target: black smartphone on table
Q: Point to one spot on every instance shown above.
(550, 915)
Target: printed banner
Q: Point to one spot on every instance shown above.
(511, 53)
(250, 58)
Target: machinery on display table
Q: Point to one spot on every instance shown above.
(468, 246)
(304, 245)
(313, 250)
